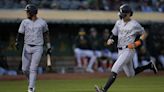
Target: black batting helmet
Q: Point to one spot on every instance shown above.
(31, 9)
(124, 9)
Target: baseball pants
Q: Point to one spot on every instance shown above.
(124, 62)
(31, 57)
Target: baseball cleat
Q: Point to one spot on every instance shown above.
(98, 89)
(31, 90)
(153, 66)
(89, 70)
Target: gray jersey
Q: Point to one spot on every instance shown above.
(127, 32)
(33, 31)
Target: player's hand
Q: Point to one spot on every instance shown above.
(17, 45)
(110, 41)
(48, 51)
(131, 46)
(135, 44)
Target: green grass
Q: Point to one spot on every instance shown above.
(122, 84)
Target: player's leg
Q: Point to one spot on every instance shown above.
(98, 55)
(26, 59)
(92, 60)
(142, 68)
(123, 58)
(135, 60)
(129, 69)
(36, 57)
(114, 56)
(110, 60)
(151, 66)
(78, 55)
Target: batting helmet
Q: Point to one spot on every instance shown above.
(124, 9)
(31, 9)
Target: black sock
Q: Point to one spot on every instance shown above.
(140, 69)
(110, 81)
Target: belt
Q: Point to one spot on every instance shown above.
(124, 47)
(31, 45)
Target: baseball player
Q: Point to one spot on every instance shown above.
(95, 42)
(105, 60)
(35, 32)
(126, 29)
(82, 49)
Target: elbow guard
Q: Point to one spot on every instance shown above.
(112, 36)
(19, 37)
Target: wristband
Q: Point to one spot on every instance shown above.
(48, 45)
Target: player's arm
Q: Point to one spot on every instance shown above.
(113, 34)
(19, 38)
(20, 35)
(46, 37)
(138, 42)
(143, 36)
(47, 41)
(111, 39)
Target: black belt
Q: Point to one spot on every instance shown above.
(31, 45)
(120, 48)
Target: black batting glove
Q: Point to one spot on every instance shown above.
(48, 51)
(17, 45)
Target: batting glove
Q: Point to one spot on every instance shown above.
(48, 51)
(17, 45)
(110, 41)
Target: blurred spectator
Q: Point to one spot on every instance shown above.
(95, 40)
(82, 50)
(64, 4)
(105, 61)
(106, 50)
(108, 5)
(160, 5)
(75, 5)
(44, 3)
(146, 7)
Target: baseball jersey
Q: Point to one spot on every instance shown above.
(33, 31)
(82, 42)
(95, 42)
(127, 32)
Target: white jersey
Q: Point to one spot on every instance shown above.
(127, 32)
(33, 31)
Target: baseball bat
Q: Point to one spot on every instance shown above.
(49, 60)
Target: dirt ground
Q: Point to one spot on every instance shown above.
(74, 76)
